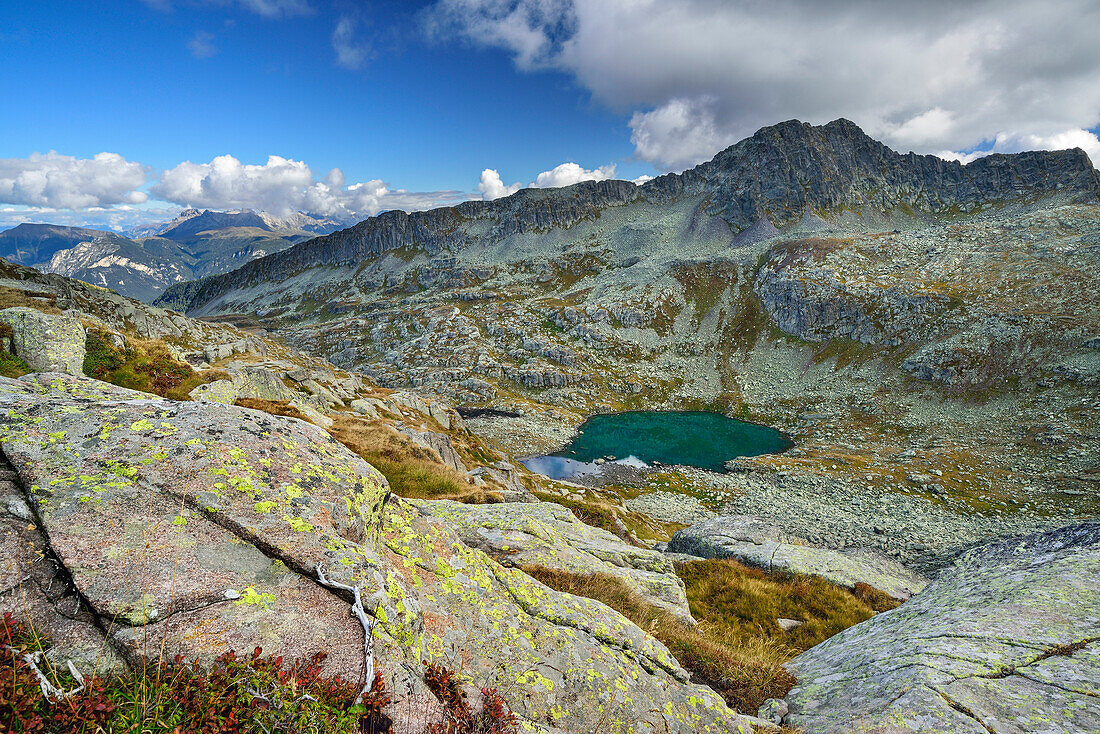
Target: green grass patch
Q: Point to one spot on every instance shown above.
(141, 365)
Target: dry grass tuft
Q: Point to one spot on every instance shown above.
(745, 672)
(274, 407)
(412, 470)
(12, 297)
(738, 648)
(744, 603)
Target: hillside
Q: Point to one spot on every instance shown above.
(924, 330)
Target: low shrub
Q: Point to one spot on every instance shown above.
(12, 366)
(142, 365)
(236, 695)
(494, 717)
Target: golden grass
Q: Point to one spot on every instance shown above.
(744, 603)
(412, 470)
(12, 297)
(738, 649)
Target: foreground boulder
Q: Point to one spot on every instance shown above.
(1007, 641)
(193, 528)
(754, 542)
(46, 342)
(546, 534)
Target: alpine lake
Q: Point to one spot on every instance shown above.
(648, 438)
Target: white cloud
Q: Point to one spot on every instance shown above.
(350, 53)
(568, 174)
(698, 75)
(201, 45)
(277, 8)
(118, 218)
(58, 181)
(1008, 143)
(282, 186)
(679, 133)
(491, 187)
(526, 28)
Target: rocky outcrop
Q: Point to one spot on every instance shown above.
(193, 528)
(1006, 641)
(757, 543)
(549, 535)
(46, 342)
(785, 170)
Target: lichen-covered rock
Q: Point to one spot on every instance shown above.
(1005, 641)
(547, 534)
(261, 384)
(192, 528)
(757, 543)
(46, 342)
(218, 391)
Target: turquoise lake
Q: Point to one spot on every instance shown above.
(642, 438)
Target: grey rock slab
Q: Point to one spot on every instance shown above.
(261, 384)
(547, 534)
(757, 543)
(46, 342)
(1004, 641)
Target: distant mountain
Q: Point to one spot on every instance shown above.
(34, 244)
(195, 244)
(139, 270)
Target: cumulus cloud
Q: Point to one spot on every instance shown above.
(1005, 143)
(282, 186)
(698, 75)
(350, 52)
(56, 181)
(568, 174)
(201, 45)
(491, 187)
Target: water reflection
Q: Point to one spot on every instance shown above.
(560, 467)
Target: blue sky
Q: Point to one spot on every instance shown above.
(118, 75)
(414, 101)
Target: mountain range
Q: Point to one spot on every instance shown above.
(868, 303)
(146, 260)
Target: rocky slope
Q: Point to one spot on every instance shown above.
(246, 521)
(926, 331)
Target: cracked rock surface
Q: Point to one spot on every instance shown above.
(546, 534)
(755, 542)
(196, 528)
(1007, 641)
